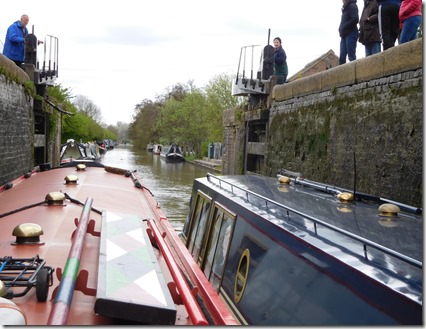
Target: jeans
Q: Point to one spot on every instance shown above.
(389, 24)
(409, 29)
(372, 48)
(348, 47)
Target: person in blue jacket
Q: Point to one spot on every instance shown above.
(389, 21)
(280, 62)
(14, 44)
(348, 31)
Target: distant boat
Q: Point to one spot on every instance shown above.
(172, 153)
(157, 148)
(149, 147)
(72, 150)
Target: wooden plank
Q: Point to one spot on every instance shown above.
(131, 285)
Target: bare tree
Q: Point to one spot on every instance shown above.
(86, 106)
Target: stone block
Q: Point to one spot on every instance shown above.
(308, 85)
(13, 71)
(282, 92)
(369, 68)
(339, 76)
(405, 57)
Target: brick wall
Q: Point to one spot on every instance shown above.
(16, 130)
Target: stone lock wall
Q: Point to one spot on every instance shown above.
(16, 127)
(357, 126)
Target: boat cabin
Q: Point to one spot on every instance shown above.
(290, 251)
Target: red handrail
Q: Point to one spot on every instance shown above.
(218, 310)
(194, 310)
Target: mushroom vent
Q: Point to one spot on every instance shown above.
(71, 179)
(284, 180)
(27, 234)
(389, 210)
(55, 199)
(81, 166)
(345, 197)
(388, 214)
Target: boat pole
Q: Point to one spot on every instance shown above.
(62, 304)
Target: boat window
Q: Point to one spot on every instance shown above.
(218, 245)
(198, 225)
(242, 275)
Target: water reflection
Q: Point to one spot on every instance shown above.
(170, 183)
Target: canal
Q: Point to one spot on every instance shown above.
(171, 183)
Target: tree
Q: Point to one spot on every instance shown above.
(142, 129)
(219, 98)
(86, 106)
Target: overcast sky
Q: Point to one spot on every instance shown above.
(118, 53)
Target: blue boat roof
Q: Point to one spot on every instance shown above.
(313, 212)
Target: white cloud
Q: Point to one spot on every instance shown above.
(118, 53)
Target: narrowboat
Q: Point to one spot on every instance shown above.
(157, 149)
(287, 251)
(87, 244)
(172, 153)
(72, 150)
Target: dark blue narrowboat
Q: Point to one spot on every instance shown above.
(172, 153)
(289, 251)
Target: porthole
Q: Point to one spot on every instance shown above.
(241, 276)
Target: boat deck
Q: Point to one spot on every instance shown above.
(121, 275)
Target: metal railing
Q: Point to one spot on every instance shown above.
(365, 242)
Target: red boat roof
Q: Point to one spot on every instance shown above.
(110, 265)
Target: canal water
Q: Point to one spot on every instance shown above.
(171, 183)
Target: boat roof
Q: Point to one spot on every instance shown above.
(121, 277)
(313, 212)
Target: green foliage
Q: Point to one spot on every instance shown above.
(78, 126)
(185, 115)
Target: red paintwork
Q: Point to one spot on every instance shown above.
(112, 192)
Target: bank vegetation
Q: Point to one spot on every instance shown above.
(184, 114)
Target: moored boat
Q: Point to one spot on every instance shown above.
(172, 153)
(73, 150)
(157, 149)
(290, 251)
(88, 245)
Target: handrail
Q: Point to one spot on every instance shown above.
(220, 314)
(193, 308)
(358, 238)
(62, 304)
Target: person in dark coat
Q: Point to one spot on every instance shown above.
(14, 46)
(348, 31)
(389, 21)
(369, 33)
(280, 62)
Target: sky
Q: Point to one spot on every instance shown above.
(120, 53)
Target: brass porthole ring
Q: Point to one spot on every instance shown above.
(242, 275)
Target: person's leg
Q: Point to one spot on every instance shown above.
(385, 27)
(343, 51)
(351, 41)
(393, 13)
(409, 29)
(375, 48)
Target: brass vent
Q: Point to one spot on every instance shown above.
(389, 210)
(345, 197)
(81, 166)
(27, 234)
(71, 179)
(55, 198)
(284, 180)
